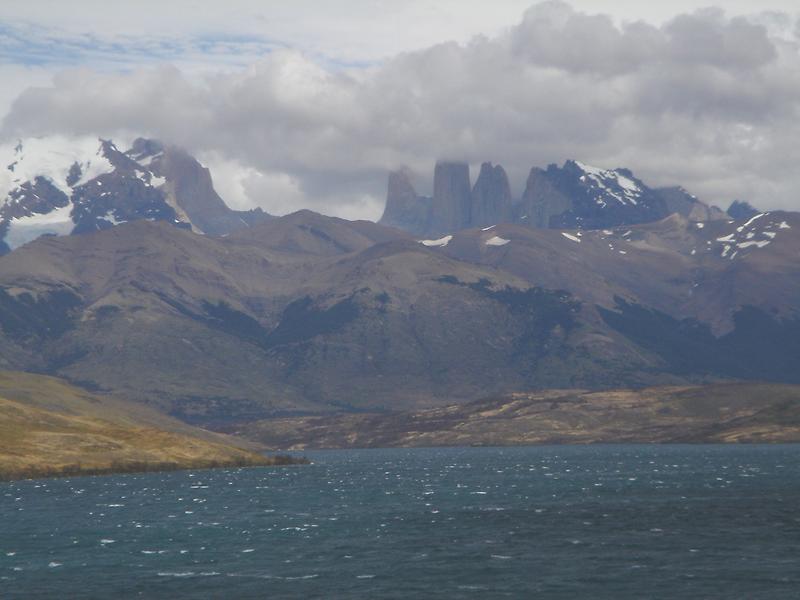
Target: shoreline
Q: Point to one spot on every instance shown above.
(76, 470)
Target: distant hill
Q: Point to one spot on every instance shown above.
(714, 413)
(48, 427)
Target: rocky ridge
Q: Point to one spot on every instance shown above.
(59, 186)
(574, 196)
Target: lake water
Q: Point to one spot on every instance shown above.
(546, 522)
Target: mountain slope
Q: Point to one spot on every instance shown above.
(59, 186)
(215, 327)
(315, 314)
(704, 271)
(717, 413)
(48, 427)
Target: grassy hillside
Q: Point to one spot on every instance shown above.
(48, 427)
(713, 413)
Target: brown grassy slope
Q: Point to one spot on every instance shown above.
(713, 413)
(48, 427)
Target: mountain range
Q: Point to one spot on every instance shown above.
(591, 280)
(60, 186)
(574, 196)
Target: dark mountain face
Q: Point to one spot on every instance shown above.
(491, 197)
(577, 196)
(450, 210)
(741, 210)
(188, 185)
(310, 313)
(574, 196)
(404, 208)
(127, 192)
(59, 187)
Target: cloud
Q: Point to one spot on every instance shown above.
(704, 100)
(34, 45)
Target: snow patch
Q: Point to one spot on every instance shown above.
(497, 241)
(109, 216)
(749, 236)
(50, 157)
(613, 183)
(759, 244)
(750, 221)
(25, 229)
(440, 242)
(148, 160)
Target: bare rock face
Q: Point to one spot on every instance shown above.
(581, 196)
(451, 197)
(404, 208)
(541, 201)
(740, 209)
(575, 195)
(679, 201)
(491, 197)
(190, 190)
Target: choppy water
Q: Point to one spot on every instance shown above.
(548, 522)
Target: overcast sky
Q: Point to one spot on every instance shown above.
(309, 103)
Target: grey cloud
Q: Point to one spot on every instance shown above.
(705, 101)
(708, 38)
(553, 35)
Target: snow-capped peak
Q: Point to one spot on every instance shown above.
(53, 158)
(614, 183)
(59, 185)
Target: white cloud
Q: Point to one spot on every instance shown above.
(704, 100)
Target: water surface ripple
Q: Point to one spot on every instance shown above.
(547, 522)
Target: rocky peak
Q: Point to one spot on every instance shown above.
(143, 148)
(541, 200)
(404, 208)
(581, 196)
(491, 197)
(400, 195)
(681, 202)
(189, 189)
(740, 209)
(574, 195)
(451, 197)
(59, 185)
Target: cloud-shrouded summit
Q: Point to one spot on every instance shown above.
(707, 101)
